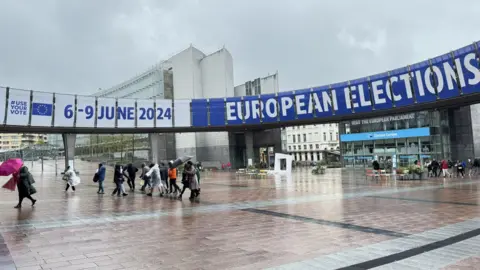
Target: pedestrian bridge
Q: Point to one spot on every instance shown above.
(451, 79)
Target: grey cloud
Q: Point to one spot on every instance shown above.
(79, 46)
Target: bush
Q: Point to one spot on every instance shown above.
(334, 165)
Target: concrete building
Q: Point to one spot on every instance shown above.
(311, 143)
(11, 141)
(193, 74)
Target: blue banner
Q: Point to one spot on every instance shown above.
(217, 112)
(360, 95)
(322, 101)
(445, 76)
(199, 112)
(423, 82)
(381, 94)
(341, 97)
(401, 89)
(269, 108)
(304, 104)
(234, 110)
(286, 106)
(467, 69)
(384, 135)
(251, 105)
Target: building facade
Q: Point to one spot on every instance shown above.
(403, 139)
(12, 141)
(192, 74)
(310, 143)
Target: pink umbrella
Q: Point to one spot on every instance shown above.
(10, 166)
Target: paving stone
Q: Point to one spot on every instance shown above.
(311, 222)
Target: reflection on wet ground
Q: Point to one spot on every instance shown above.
(331, 221)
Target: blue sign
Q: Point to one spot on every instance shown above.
(200, 112)
(217, 112)
(384, 135)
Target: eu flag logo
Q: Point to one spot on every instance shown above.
(42, 109)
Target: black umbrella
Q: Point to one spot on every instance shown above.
(179, 161)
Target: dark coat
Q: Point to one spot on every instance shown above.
(117, 175)
(24, 182)
(131, 171)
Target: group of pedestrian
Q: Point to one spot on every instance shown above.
(156, 177)
(448, 168)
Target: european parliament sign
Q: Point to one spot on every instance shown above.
(385, 135)
(445, 77)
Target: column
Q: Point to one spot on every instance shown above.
(69, 146)
(157, 152)
(249, 146)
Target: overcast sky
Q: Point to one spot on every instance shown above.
(78, 46)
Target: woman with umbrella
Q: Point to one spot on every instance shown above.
(21, 179)
(25, 186)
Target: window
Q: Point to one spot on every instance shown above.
(304, 147)
(289, 148)
(324, 136)
(294, 139)
(311, 146)
(304, 137)
(331, 136)
(317, 146)
(248, 88)
(294, 147)
(336, 135)
(298, 137)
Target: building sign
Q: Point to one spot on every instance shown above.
(384, 135)
(385, 119)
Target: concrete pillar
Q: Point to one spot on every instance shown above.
(315, 158)
(249, 145)
(157, 152)
(69, 146)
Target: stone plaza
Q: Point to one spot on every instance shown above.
(338, 220)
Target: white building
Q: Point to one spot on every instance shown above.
(192, 74)
(309, 143)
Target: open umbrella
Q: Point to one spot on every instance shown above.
(179, 161)
(10, 166)
(11, 184)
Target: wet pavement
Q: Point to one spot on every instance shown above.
(339, 220)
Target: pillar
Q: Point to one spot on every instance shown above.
(249, 146)
(157, 152)
(69, 146)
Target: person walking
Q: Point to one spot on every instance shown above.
(118, 180)
(164, 175)
(460, 168)
(154, 174)
(191, 173)
(25, 186)
(172, 175)
(185, 181)
(435, 168)
(101, 171)
(145, 178)
(72, 178)
(444, 166)
(131, 171)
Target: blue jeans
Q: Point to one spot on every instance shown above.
(100, 187)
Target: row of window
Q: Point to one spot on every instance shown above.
(317, 147)
(298, 137)
(314, 126)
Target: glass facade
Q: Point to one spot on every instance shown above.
(396, 136)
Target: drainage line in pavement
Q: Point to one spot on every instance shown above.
(413, 252)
